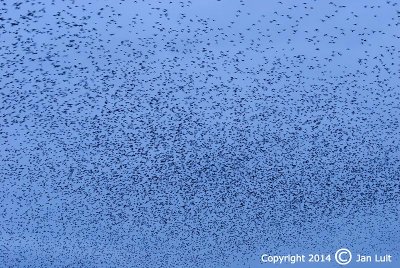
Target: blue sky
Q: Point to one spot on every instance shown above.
(197, 133)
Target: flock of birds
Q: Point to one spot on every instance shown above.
(200, 133)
